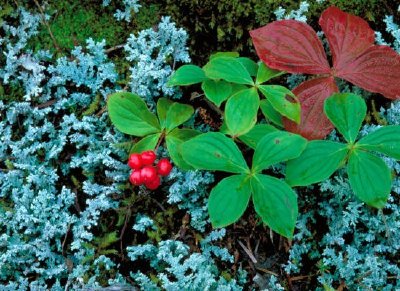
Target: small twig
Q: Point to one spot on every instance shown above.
(195, 95)
(376, 114)
(341, 286)
(130, 281)
(114, 48)
(214, 107)
(76, 204)
(65, 240)
(173, 65)
(248, 252)
(257, 245)
(48, 26)
(67, 285)
(299, 278)
(127, 217)
(385, 222)
(46, 104)
(267, 271)
(98, 114)
(271, 236)
(159, 204)
(289, 281)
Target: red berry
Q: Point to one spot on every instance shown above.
(152, 185)
(148, 173)
(148, 157)
(164, 167)
(136, 178)
(135, 161)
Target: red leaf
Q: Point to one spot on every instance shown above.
(312, 94)
(292, 46)
(348, 36)
(376, 70)
(356, 58)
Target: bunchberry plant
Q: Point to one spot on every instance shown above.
(228, 77)
(239, 81)
(129, 113)
(294, 47)
(273, 199)
(369, 176)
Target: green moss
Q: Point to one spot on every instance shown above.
(212, 25)
(148, 16)
(5, 10)
(224, 25)
(73, 21)
(371, 10)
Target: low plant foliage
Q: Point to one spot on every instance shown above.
(228, 77)
(81, 118)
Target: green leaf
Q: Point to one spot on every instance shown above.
(316, 163)
(130, 115)
(109, 252)
(270, 113)
(216, 91)
(346, 111)
(174, 141)
(187, 75)
(276, 203)
(215, 152)
(369, 177)
(265, 74)
(228, 69)
(224, 129)
(250, 65)
(107, 240)
(256, 134)
(237, 87)
(163, 104)
(228, 200)
(278, 98)
(385, 140)
(277, 147)
(241, 111)
(177, 114)
(224, 54)
(147, 143)
(328, 288)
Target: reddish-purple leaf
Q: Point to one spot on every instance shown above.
(356, 58)
(348, 36)
(376, 70)
(312, 94)
(292, 46)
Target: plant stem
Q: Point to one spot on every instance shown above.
(48, 26)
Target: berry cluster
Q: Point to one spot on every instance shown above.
(144, 172)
